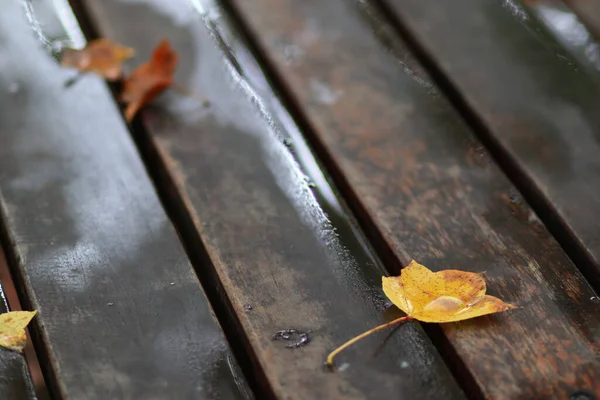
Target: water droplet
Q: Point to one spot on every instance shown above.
(515, 197)
(323, 93)
(248, 307)
(301, 338)
(581, 395)
(172, 283)
(292, 52)
(404, 364)
(343, 367)
(595, 299)
(13, 87)
(532, 218)
(110, 304)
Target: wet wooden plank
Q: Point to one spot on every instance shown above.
(544, 128)
(121, 312)
(427, 189)
(275, 251)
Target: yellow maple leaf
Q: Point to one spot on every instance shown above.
(12, 329)
(444, 296)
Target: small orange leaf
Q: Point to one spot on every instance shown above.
(150, 79)
(444, 296)
(101, 56)
(12, 329)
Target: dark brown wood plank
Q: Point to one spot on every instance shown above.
(421, 179)
(121, 312)
(273, 248)
(538, 107)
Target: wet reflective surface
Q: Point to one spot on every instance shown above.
(423, 179)
(278, 238)
(319, 206)
(298, 338)
(570, 31)
(121, 311)
(289, 258)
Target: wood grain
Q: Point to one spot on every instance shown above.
(544, 128)
(428, 189)
(280, 263)
(121, 312)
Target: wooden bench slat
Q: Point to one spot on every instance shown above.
(419, 177)
(121, 312)
(255, 216)
(539, 107)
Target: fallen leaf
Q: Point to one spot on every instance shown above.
(101, 56)
(12, 329)
(444, 296)
(149, 79)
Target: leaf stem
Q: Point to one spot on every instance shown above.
(382, 345)
(362, 336)
(188, 92)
